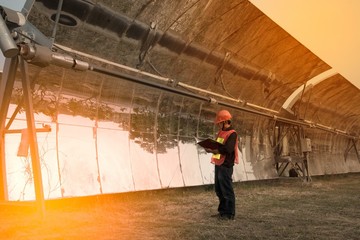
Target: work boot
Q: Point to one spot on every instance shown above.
(226, 217)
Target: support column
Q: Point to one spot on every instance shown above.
(34, 151)
(6, 88)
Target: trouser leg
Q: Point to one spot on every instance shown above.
(226, 191)
(218, 191)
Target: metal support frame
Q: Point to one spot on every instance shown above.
(297, 158)
(351, 144)
(7, 85)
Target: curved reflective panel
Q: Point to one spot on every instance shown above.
(143, 125)
(109, 135)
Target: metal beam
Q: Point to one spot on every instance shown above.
(7, 84)
(27, 7)
(35, 159)
(46, 128)
(212, 100)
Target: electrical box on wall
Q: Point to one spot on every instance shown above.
(305, 144)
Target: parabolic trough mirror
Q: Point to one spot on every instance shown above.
(109, 135)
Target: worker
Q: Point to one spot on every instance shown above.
(224, 157)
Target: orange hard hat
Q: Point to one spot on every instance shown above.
(222, 115)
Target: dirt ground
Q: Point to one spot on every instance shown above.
(326, 208)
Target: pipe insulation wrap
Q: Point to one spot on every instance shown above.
(7, 44)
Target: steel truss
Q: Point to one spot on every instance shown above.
(290, 151)
(7, 84)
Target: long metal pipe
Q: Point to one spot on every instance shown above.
(175, 90)
(146, 83)
(211, 100)
(165, 79)
(45, 57)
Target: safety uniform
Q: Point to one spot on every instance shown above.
(218, 159)
(224, 162)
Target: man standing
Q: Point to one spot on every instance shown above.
(224, 158)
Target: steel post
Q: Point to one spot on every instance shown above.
(6, 87)
(34, 151)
